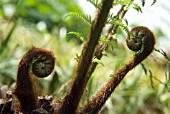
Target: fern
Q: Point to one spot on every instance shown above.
(143, 2)
(95, 60)
(162, 52)
(130, 3)
(77, 57)
(87, 18)
(123, 26)
(137, 7)
(95, 3)
(78, 35)
(122, 2)
(109, 43)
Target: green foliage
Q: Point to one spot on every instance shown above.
(131, 2)
(163, 53)
(5, 42)
(87, 18)
(96, 3)
(122, 2)
(78, 35)
(121, 24)
(95, 60)
(77, 57)
(137, 7)
(50, 12)
(127, 2)
(106, 41)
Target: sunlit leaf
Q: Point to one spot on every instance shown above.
(137, 7)
(78, 35)
(95, 60)
(122, 2)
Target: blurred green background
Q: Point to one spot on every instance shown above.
(41, 23)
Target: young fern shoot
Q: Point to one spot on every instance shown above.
(141, 41)
(36, 61)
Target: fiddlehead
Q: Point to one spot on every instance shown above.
(36, 61)
(141, 40)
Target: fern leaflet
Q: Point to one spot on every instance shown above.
(87, 18)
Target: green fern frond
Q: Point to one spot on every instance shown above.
(137, 7)
(143, 2)
(109, 43)
(123, 26)
(95, 60)
(161, 51)
(95, 3)
(87, 18)
(78, 35)
(122, 2)
(129, 3)
(77, 57)
(111, 17)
